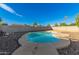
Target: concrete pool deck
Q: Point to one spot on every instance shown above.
(28, 48)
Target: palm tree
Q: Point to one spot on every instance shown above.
(77, 20)
(64, 23)
(65, 18)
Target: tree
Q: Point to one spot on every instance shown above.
(2, 23)
(71, 24)
(48, 25)
(65, 18)
(5, 24)
(63, 24)
(55, 24)
(0, 19)
(77, 21)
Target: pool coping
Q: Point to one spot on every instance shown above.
(59, 45)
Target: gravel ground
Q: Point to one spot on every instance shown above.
(73, 49)
(9, 44)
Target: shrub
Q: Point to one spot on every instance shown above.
(55, 24)
(63, 24)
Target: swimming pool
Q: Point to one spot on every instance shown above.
(41, 37)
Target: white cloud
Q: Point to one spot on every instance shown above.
(9, 9)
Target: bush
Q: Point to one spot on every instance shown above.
(63, 24)
(56, 24)
(48, 25)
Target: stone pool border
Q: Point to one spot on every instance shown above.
(65, 42)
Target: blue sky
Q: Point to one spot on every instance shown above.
(42, 13)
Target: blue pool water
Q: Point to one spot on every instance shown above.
(41, 37)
